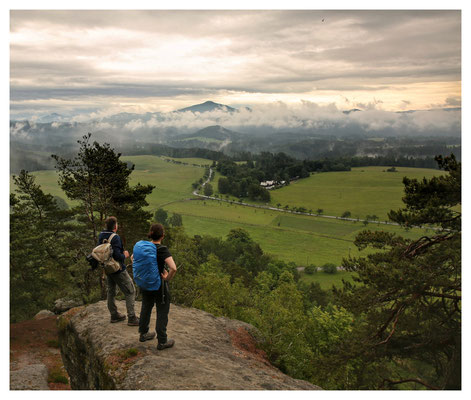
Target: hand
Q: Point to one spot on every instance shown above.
(164, 275)
(126, 253)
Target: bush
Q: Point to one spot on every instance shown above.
(310, 269)
(329, 268)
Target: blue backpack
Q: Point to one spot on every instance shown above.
(144, 265)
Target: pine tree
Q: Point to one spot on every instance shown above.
(410, 292)
(47, 249)
(99, 181)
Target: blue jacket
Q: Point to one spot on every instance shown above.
(117, 245)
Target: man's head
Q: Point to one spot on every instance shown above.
(111, 224)
(156, 232)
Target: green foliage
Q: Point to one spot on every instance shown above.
(329, 268)
(175, 220)
(410, 296)
(46, 250)
(161, 216)
(313, 294)
(208, 189)
(99, 181)
(310, 269)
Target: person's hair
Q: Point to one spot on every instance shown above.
(110, 223)
(156, 231)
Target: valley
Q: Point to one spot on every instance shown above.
(301, 239)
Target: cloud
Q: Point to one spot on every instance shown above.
(279, 116)
(162, 57)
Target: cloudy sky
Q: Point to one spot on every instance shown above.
(104, 62)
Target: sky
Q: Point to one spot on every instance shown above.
(98, 63)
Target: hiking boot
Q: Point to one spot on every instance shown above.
(118, 318)
(133, 321)
(169, 343)
(146, 336)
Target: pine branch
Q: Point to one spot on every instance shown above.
(416, 380)
(441, 295)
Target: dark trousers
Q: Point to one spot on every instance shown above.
(149, 298)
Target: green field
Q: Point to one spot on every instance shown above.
(172, 181)
(301, 239)
(362, 191)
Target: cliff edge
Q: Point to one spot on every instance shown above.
(210, 353)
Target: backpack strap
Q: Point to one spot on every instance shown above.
(110, 238)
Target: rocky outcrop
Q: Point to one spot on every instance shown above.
(44, 314)
(209, 353)
(63, 305)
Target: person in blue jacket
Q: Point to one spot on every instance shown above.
(150, 293)
(120, 278)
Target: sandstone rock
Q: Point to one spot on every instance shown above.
(31, 377)
(44, 314)
(209, 353)
(62, 305)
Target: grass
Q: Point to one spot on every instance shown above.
(172, 181)
(302, 239)
(326, 281)
(362, 191)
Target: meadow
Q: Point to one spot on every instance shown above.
(362, 191)
(301, 239)
(172, 181)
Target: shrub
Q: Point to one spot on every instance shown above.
(329, 268)
(310, 269)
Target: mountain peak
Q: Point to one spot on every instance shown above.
(207, 106)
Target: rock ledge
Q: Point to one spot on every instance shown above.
(209, 354)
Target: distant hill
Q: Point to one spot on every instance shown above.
(207, 106)
(214, 132)
(213, 137)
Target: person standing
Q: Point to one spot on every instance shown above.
(119, 278)
(155, 291)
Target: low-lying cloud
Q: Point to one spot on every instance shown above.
(279, 116)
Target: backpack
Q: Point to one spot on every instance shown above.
(144, 266)
(103, 253)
